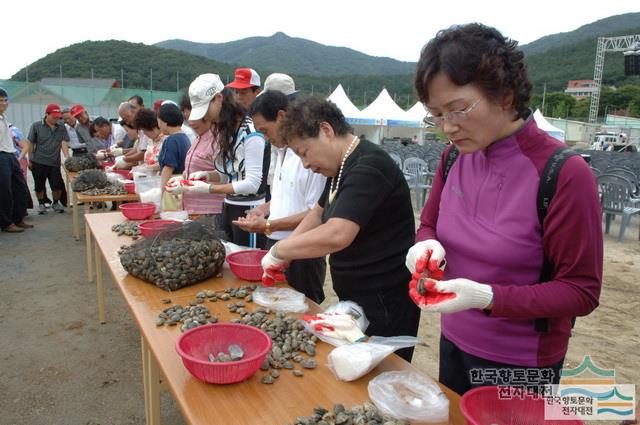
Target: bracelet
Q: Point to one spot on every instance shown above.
(267, 228)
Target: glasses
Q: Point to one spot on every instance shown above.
(453, 117)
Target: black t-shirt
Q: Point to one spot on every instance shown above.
(374, 194)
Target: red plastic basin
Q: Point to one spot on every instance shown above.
(247, 264)
(138, 210)
(131, 187)
(194, 347)
(149, 229)
(124, 173)
(488, 405)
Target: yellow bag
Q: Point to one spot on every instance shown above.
(171, 202)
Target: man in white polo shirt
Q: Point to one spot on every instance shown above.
(295, 190)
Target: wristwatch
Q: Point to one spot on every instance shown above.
(267, 228)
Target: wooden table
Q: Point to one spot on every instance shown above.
(248, 402)
(76, 197)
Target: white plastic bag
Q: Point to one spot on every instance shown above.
(409, 396)
(280, 299)
(349, 362)
(230, 248)
(175, 215)
(149, 189)
(341, 307)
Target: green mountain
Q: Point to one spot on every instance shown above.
(623, 24)
(294, 55)
(137, 62)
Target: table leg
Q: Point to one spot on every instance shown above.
(99, 283)
(151, 377)
(87, 235)
(76, 221)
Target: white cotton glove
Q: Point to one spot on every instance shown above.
(340, 326)
(450, 296)
(120, 163)
(426, 256)
(273, 268)
(174, 186)
(199, 175)
(116, 151)
(195, 186)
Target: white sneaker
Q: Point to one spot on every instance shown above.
(42, 209)
(57, 207)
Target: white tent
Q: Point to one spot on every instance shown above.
(416, 113)
(363, 126)
(384, 108)
(393, 120)
(342, 101)
(544, 125)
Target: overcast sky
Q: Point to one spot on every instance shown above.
(397, 29)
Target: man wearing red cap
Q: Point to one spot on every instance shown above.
(79, 134)
(246, 85)
(46, 139)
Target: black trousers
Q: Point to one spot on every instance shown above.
(306, 276)
(14, 193)
(462, 371)
(234, 233)
(41, 173)
(390, 313)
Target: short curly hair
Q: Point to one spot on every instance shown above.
(146, 119)
(480, 55)
(305, 115)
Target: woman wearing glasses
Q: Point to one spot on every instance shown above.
(363, 220)
(506, 318)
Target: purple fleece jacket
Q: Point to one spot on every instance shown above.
(485, 217)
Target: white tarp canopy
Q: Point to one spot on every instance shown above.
(384, 108)
(544, 125)
(416, 113)
(349, 110)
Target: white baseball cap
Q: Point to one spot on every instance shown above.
(201, 91)
(280, 82)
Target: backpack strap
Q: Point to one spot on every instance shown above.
(546, 191)
(449, 159)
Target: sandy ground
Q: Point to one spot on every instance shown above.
(59, 366)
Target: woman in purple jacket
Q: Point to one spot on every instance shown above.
(506, 318)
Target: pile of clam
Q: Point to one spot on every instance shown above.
(190, 316)
(82, 162)
(291, 342)
(127, 228)
(174, 262)
(89, 179)
(360, 414)
(109, 189)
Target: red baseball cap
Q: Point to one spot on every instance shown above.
(76, 110)
(54, 110)
(245, 78)
(156, 105)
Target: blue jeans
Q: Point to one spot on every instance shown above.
(14, 193)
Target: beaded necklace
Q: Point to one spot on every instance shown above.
(334, 190)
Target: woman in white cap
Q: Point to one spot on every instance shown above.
(243, 160)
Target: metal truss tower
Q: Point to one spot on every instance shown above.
(606, 44)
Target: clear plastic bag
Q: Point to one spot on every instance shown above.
(149, 188)
(341, 307)
(280, 299)
(349, 362)
(409, 396)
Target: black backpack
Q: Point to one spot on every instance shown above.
(546, 190)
